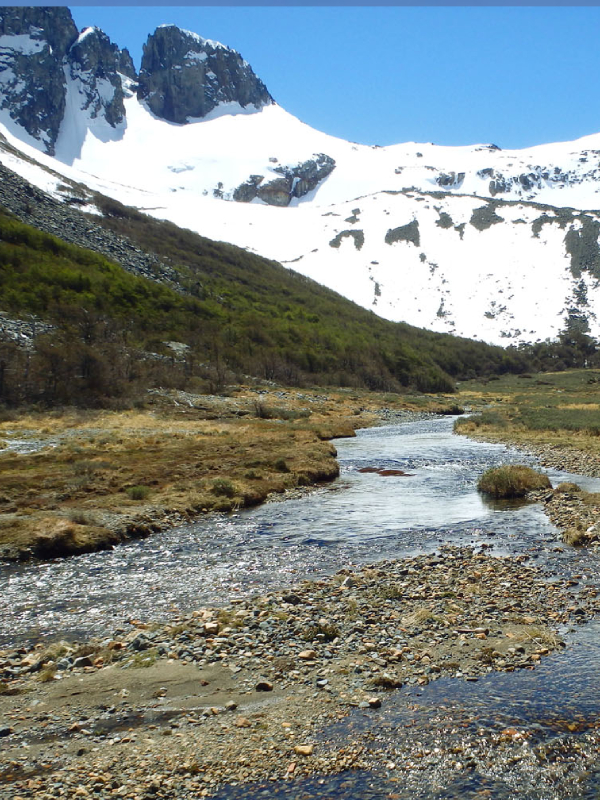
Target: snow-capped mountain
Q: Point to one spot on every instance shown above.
(492, 244)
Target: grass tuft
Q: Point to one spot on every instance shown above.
(138, 492)
(513, 480)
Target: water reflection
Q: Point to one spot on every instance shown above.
(360, 518)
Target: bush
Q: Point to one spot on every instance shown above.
(138, 492)
(324, 630)
(513, 480)
(567, 488)
(575, 537)
(223, 488)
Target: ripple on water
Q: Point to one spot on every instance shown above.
(358, 519)
(531, 734)
(450, 732)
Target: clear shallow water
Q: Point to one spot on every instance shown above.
(546, 721)
(360, 518)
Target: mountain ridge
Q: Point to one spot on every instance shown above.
(458, 240)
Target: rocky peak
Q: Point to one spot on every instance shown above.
(33, 43)
(184, 76)
(96, 63)
(51, 27)
(40, 50)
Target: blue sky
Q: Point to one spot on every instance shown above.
(514, 76)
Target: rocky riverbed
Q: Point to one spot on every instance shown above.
(240, 693)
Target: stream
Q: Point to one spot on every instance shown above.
(362, 518)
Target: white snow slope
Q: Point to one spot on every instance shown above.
(505, 281)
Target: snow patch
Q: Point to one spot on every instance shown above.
(192, 55)
(21, 43)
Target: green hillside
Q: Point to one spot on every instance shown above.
(238, 313)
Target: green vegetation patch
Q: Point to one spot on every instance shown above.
(582, 246)
(138, 492)
(560, 419)
(238, 314)
(514, 480)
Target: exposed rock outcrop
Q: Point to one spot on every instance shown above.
(453, 179)
(33, 43)
(40, 51)
(95, 62)
(296, 181)
(184, 76)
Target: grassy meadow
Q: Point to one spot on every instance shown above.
(80, 480)
(556, 409)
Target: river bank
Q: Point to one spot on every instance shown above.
(556, 418)
(239, 693)
(79, 481)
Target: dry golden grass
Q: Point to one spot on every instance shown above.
(101, 476)
(559, 410)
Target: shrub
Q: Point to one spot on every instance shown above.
(474, 421)
(391, 592)
(138, 492)
(324, 630)
(575, 537)
(223, 487)
(567, 488)
(82, 518)
(281, 465)
(513, 480)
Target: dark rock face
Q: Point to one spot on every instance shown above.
(95, 62)
(125, 64)
(37, 47)
(296, 181)
(450, 179)
(33, 44)
(405, 233)
(185, 76)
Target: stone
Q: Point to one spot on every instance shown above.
(211, 628)
(304, 749)
(83, 661)
(264, 686)
(307, 655)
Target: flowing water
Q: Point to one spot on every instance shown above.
(361, 518)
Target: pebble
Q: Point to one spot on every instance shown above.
(342, 645)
